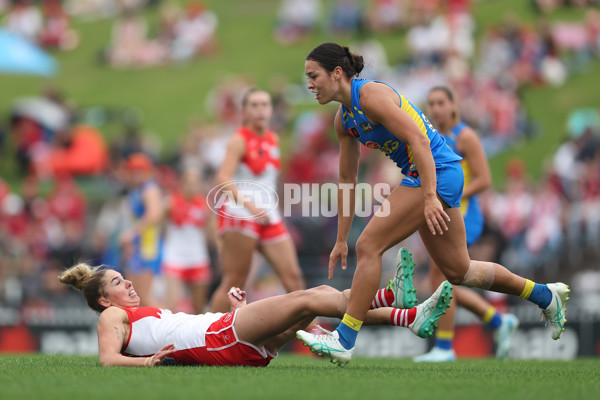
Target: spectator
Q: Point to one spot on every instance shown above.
(130, 47)
(346, 17)
(56, 32)
(24, 19)
(195, 33)
(297, 19)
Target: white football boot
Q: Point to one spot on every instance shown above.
(503, 335)
(326, 344)
(556, 311)
(436, 355)
(430, 311)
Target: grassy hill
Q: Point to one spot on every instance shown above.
(167, 97)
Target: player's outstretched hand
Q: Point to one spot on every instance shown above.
(237, 298)
(160, 355)
(339, 252)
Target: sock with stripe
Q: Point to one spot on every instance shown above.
(443, 339)
(492, 318)
(348, 331)
(537, 294)
(383, 298)
(403, 318)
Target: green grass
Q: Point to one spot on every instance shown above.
(298, 377)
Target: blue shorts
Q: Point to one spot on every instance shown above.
(450, 182)
(146, 257)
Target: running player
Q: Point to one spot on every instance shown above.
(444, 113)
(249, 335)
(427, 200)
(253, 157)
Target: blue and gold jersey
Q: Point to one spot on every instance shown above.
(147, 244)
(379, 137)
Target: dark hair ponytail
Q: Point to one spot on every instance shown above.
(331, 55)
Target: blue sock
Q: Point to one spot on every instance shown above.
(540, 295)
(444, 344)
(444, 339)
(347, 335)
(495, 322)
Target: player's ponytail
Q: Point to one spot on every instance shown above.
(331, 55)
(88, 280)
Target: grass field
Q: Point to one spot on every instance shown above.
(300, 377)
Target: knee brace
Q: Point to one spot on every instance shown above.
(480, 275)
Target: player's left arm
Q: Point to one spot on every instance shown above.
(471, 148)
(382, 106)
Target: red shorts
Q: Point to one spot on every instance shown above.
(247, 227)
(196, 274)
(223, 348)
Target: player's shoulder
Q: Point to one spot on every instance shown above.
(467, 134)
(113, 314)
(374, 94)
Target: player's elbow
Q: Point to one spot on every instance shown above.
(486, 182)
(105, 361)
(419, 141)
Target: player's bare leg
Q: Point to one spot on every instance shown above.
(235, 258)
(449, 251)
(281, 255)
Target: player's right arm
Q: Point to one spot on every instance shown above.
(111, 338)
(349, 160)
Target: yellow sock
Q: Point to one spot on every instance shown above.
(352, 322)
(527, 289)
(444, 335)
(489, 314)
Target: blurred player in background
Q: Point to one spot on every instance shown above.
(142, 242)
(253, 156)
(443, 111)
(186, 259)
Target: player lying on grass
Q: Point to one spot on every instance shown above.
(249, 335)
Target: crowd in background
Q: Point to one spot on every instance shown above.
(535, 227)
(46, 24)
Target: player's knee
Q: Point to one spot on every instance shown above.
(455, 279)
(456, 274)
(233, 280)
(324, 288)
(365, 247)
(480, 274)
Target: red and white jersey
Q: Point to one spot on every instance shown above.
(185, 240)
(151, 329)
(261, 164)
